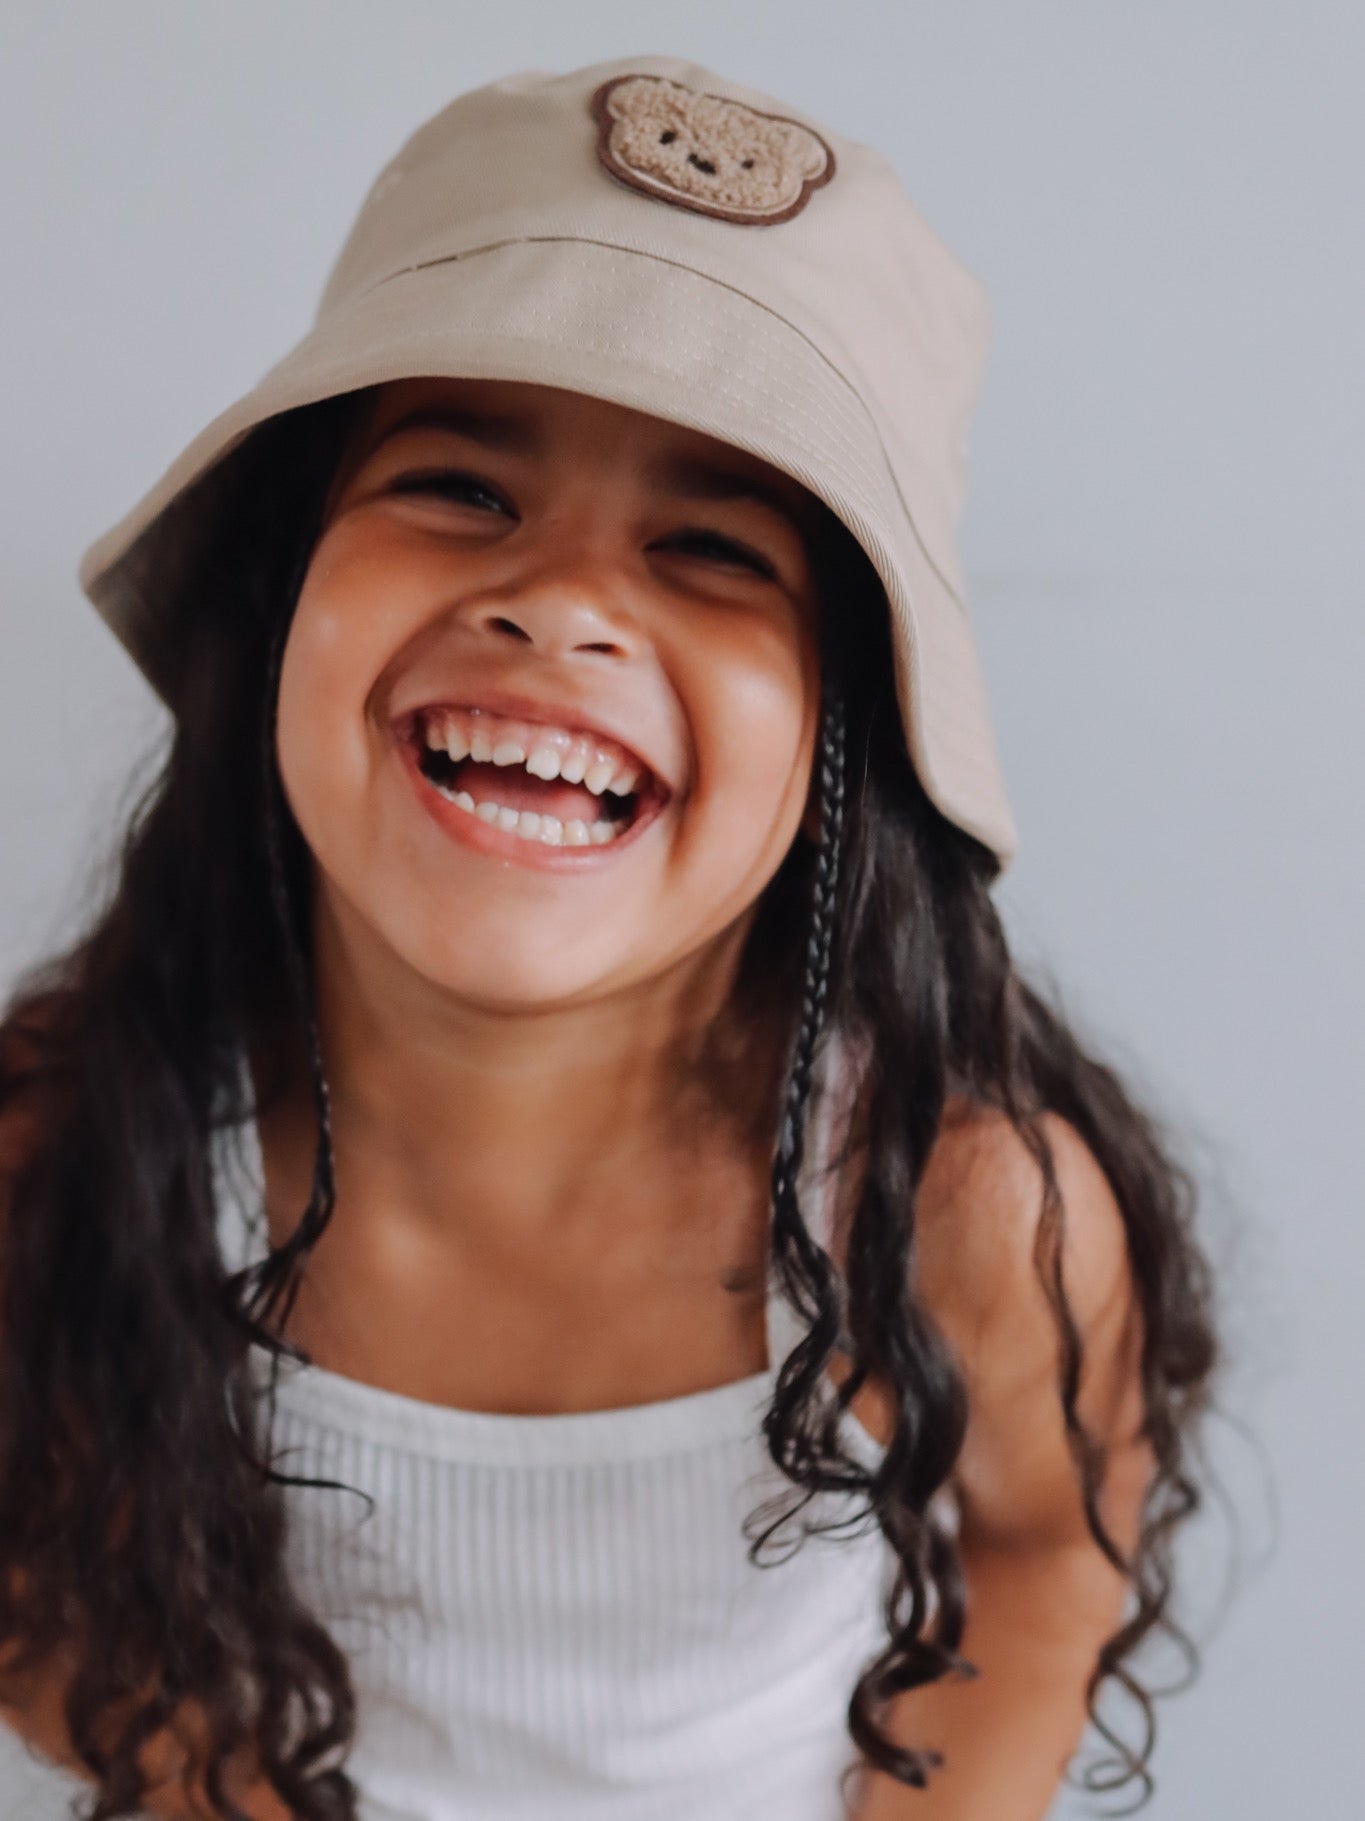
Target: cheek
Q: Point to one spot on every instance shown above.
(756, 727)
(335, 648)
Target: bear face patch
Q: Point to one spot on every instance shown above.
(706, 153)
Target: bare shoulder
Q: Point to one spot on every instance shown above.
(975, 1272)
(977, 1225)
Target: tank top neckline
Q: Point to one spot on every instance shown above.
(721, 1413)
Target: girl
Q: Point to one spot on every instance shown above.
(443, 1375)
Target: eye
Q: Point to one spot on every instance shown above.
(452, 483)
(724, 550)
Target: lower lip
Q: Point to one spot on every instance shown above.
(486, 838)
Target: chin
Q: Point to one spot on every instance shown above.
(502, 970)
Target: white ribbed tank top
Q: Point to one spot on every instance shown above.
(553, 1616)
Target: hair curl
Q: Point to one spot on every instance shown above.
(142, 1525)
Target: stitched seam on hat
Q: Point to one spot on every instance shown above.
(612, 246)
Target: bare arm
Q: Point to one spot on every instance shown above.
(1041, 1595)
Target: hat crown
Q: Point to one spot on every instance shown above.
(856, 269)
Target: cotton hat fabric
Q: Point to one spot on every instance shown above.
(647, 232)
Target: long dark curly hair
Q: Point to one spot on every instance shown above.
(142, 1522)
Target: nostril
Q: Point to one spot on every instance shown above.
(511, 626)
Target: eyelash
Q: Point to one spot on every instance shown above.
(447, 481)
(733, 553)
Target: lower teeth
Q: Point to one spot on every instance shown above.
(548, 830)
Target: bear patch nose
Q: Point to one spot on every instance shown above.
(702, 164)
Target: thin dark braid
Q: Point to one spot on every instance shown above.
(815, 983)
(279, 1274)
(805, 1267)
(323, 1196)
(277, 1277)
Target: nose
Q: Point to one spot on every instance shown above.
(560, 615)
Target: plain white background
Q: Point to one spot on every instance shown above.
(1162, 542)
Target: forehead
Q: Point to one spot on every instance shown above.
(548, 419)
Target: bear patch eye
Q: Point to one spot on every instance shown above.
(668, 137)
(746, 164)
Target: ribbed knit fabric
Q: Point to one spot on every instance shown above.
(554, 1616)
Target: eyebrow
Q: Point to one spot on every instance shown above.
(493, 430)
(692, 476)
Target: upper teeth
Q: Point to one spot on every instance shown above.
(546, 752)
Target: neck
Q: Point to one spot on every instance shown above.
(614, 1138)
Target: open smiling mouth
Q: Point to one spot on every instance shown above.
(592, 805)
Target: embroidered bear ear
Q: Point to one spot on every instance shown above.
(705, 153)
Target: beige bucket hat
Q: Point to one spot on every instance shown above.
(647, 232)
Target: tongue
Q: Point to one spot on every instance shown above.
(519, 789)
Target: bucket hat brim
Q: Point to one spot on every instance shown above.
(639, 330)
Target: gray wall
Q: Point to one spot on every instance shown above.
(1163, 542)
